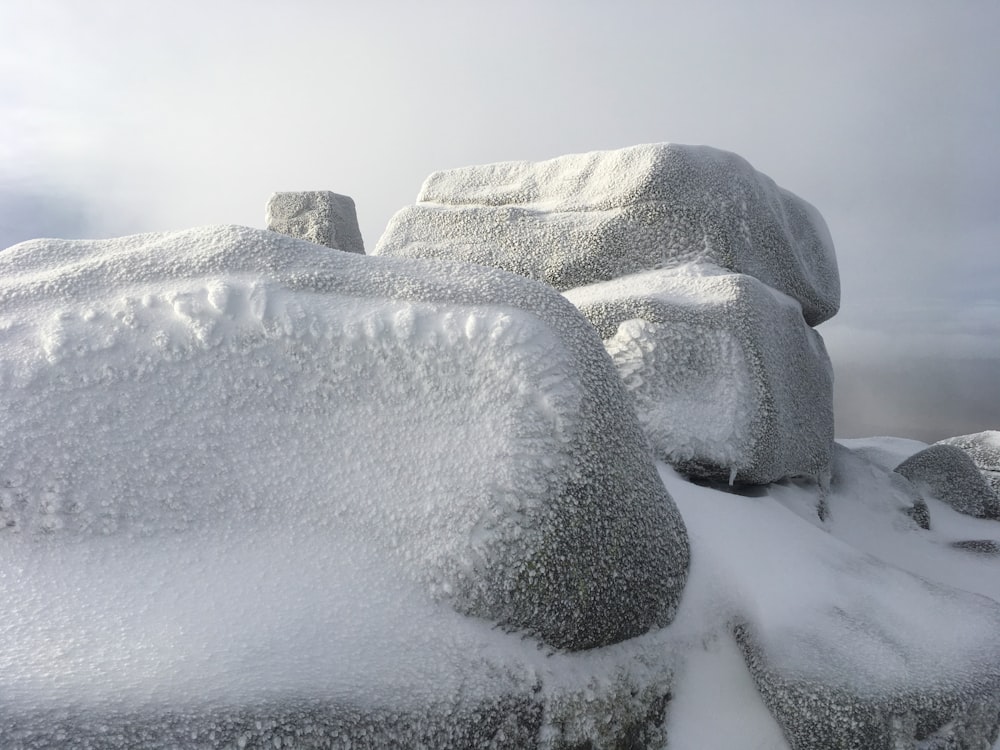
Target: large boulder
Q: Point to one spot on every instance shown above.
(592, 217)
(728, 381)
(240, 467)
(949, 474)
(318, 216)
(984, 450)
(466, 421)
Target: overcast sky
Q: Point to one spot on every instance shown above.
(119, 116)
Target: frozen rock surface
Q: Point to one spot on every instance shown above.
(318, 216)
(847, 649)
(592, 217)
(728, 380)
(237, 464)
(950, 474)
(984, 450)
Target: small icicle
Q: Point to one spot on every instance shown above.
(732, 475)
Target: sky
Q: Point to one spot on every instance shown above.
(119, 117)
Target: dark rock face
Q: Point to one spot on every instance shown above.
(987, 547)
(920, 514)
(586, 218)
(947, 472)
(318, 216)
(728, 380)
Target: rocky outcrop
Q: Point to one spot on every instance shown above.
(947, 472)
(586, 218)
(984, 450)
(659, 220)
(728, 380)
(318, 216)
(284, 475)
(528, 498)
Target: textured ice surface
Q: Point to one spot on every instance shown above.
(947, 472)
(318, 216)
(847, 650)
(984, 450)
(728, 380)
(240, 467)
(591, 217)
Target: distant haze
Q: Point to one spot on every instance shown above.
(118, 117)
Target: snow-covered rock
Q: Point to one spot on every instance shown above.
(984, 450)
(948, 472)
(818, 710)
(592, 217)
(728, 381)
(847, 649)
(319, 216)
(855, 473)
(224, 383)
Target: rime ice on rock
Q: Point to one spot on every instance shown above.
(984, 450)
(243, 476)
(729, 382)
(318, 216)
(947, 472)
(586, 218)
(464, 421)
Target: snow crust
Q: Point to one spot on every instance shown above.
(247, 483)
(728, 381)
(586, 218)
